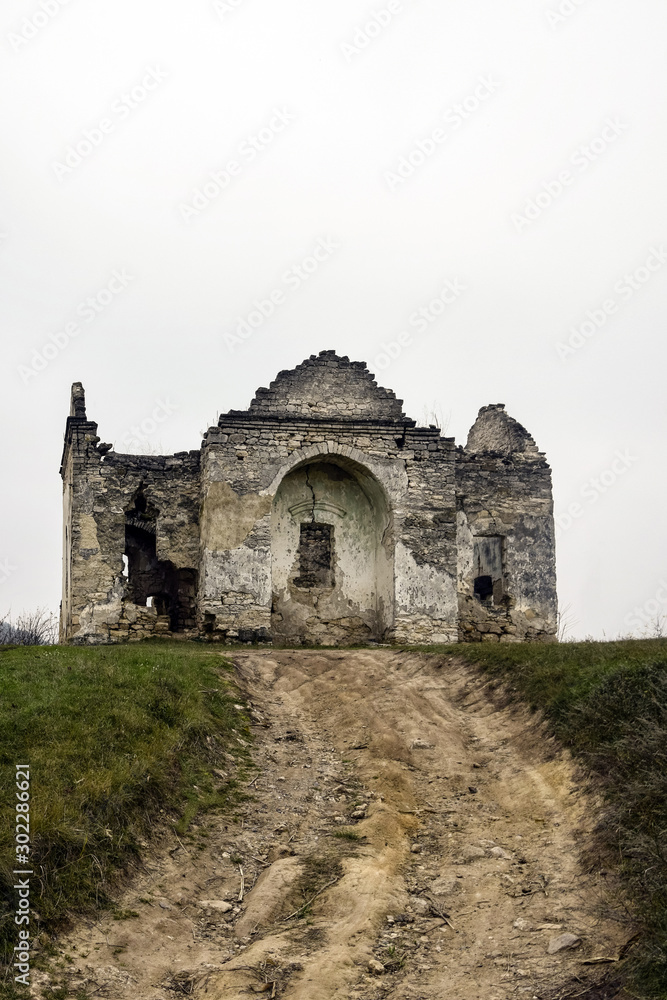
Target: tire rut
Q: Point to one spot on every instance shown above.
(407, 837)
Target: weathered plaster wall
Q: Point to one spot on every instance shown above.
(100, 488)
(87, 575)
(410, 470)
(235, 552)
(426, 601)
(330, 409)
(350, 610)
(504, 491)
(213, 536)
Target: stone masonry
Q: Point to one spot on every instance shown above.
(321, 514)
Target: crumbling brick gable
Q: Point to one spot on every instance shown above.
(326, 385)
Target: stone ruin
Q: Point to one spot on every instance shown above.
(321, 514)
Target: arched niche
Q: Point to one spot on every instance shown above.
(332, 554)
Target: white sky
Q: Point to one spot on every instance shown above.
(350, 106)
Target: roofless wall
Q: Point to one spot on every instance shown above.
(321, 514)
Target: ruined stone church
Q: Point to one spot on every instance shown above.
(321, 514)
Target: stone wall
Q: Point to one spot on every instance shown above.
(101, 493)
(342, 601)
(420, 541)
(505, 500)
(326, 386)
(404, 472)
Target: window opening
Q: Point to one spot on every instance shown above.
(488, 585)
(483, 587)
(153, 582)
(315, 555)
(160, 602)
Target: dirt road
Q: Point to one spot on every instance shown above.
(406, 838)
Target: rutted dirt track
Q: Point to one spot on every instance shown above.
(464, 869)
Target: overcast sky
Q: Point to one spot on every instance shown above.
(469, 196)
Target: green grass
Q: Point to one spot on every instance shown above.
(607, 702)
(345, 834)
(120, 740)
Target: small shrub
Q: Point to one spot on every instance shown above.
(347, 835)
(31, 628)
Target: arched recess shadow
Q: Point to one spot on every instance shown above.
(332, 552)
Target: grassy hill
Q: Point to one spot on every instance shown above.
(118, 739)
(607, 702)
(121, 740)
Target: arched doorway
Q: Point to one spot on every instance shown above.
(332, 555)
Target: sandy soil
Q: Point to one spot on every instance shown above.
(459, 867)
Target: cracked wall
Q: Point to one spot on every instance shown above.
(209, 543)
(504, 493)
(100, 489)
(347, 602)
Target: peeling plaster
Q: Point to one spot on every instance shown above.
(88, 534)
(423, 589)
(227, 518)
(239, 571)
(222, 556)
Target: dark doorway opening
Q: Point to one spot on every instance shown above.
(153, 582)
